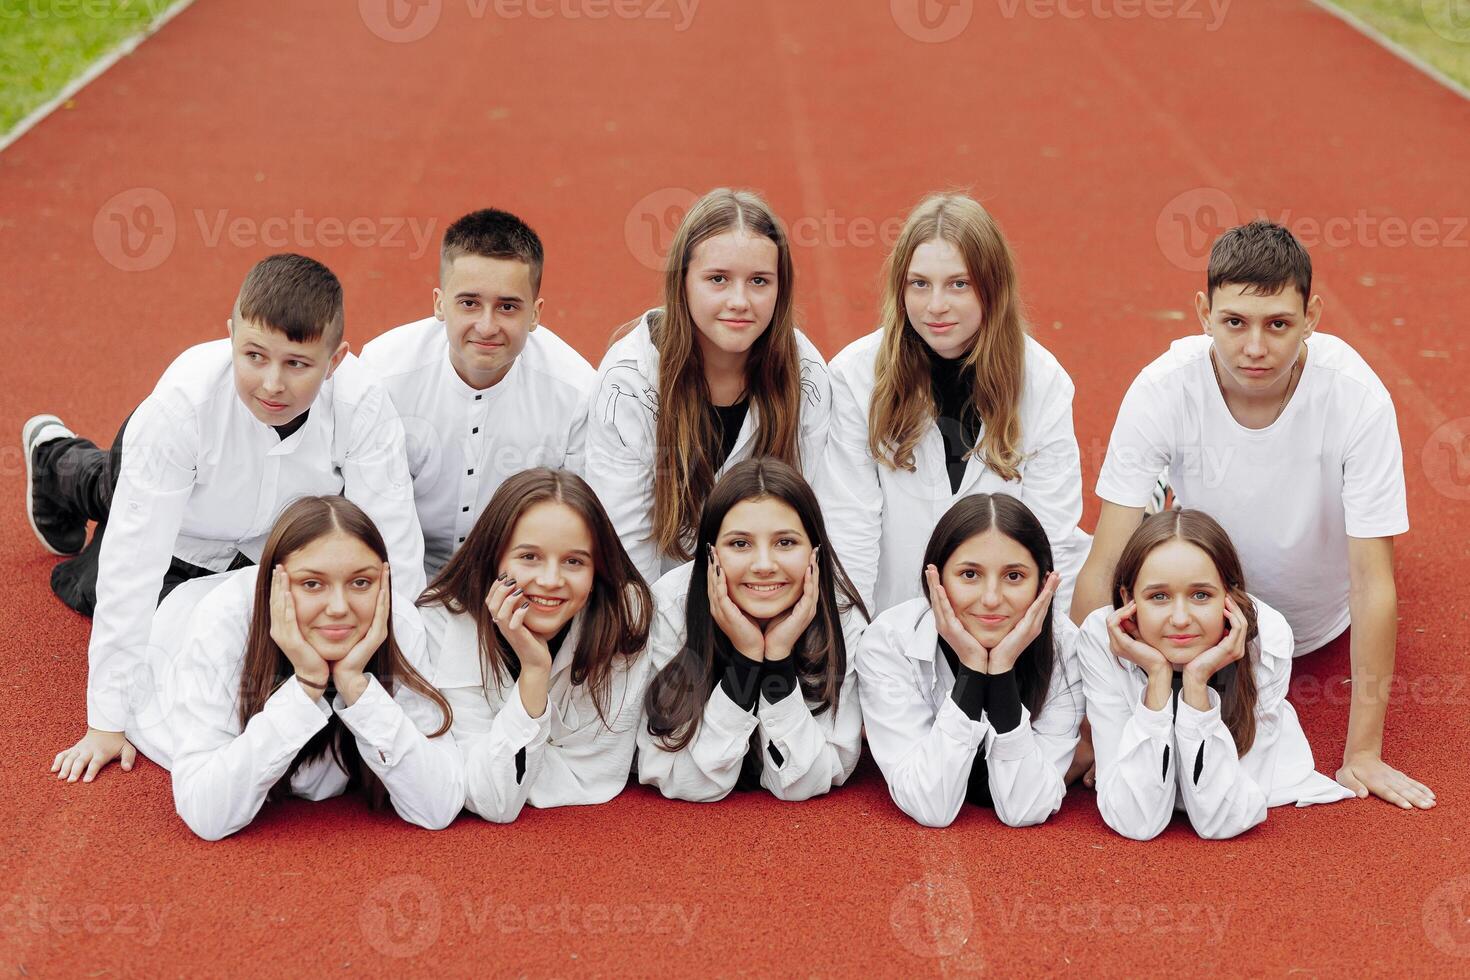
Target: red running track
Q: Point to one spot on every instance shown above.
(252, 126)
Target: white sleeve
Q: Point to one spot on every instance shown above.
(620, 437)
(1140, 447)
(850, 492)
(1028, 764)
(375, 476)
(925, 756)
(1132, 745)
(222, 775)
(1219, 794)
(817, 752)
(590, 764)
(708, 768)
(160, 444)
(816, 415)
(1373, 499)
(424, 776)
(575, 460)
(1052, 482)
(502, 750)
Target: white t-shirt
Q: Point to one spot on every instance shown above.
(1289, 495)
(463, 443)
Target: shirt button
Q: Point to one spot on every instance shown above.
(464, 510)
(474, 430)
(461, 540)
(478, 397)
(470, 472)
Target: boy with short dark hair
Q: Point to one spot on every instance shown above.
(234, 430)
(484, 389)
(1294, 448)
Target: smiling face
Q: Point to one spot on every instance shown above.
(276, 377)
(991, 580)
(334, 587)
(941, 300)
(550, 557)
(1257, 338)
(731, 288)
(764, 551)
(1181, 601)
(489, 308)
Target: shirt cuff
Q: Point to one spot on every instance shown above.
(1003, 702)
(778, 679)
(1154, 724)
(517, 724)
(1191, 723)
(741, 680)
(1016, 744)
(968, 692)
(952, 721)
(375, 718)
(293, 712)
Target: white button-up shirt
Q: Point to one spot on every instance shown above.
(463, 442)
(926, 744)
(622, 427)
(572, 756)
(1147, 760)
(880, 519)
(185, 717)
(817, 751)
(203, 479)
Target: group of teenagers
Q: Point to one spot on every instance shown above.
(465, 569)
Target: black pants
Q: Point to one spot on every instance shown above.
(78, 476)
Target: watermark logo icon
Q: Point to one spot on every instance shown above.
(1447, 916)
(401, 916)
(933, 916)
(400, 21)
(1446, 459)
(932, 21)
(651, 223)
(1188, 225)
(1450, 19)
(135, 230)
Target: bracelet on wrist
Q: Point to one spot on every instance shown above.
(311, 684)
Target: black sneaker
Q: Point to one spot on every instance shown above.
(59, 530)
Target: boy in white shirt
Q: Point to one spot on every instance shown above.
(484, 389)
(234, 430)
(1292, 445)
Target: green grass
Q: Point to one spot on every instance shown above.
(1438, 31)
(46, 43)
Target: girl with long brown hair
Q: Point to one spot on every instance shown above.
(753, 644)
(300, 676)
(538, 625)
(1186, 676)
(950, 396)
(718, 374)
(973, 694)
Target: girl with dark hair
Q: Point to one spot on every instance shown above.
(753, 646)
(538, 624)
(973, 694)
(1186, 676)
(717, 374)
(297, 677)
(950, 396)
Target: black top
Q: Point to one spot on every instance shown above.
(290, 428)
(728, 419)
(954, 401)
(994, 694)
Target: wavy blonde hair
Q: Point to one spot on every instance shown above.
(902, 407)
(686, 438)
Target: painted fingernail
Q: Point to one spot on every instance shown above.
(526, 604)
(517, 591)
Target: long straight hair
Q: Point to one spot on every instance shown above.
(902, 406)
(676, 697)
(618, 612)
(686, 438)
(977, 514)
(1238, 680)
(266, 666)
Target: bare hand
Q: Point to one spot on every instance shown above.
(508, 606)
(91, 753)
(741, 630)
(1004, 654)
(286, 631)
(1124, 642)
(1230, 649)
(960, 639)
(1365, 773)
(783, 632)
(347, 673)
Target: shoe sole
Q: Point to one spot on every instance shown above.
(26, 432)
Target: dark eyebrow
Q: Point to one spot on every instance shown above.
(1005, 568)
(292, 354)
(1268, 316)
(726, 272)
(312, 571)
(1194, 585)
(536, 547)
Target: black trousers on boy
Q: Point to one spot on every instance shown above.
(76, 475)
